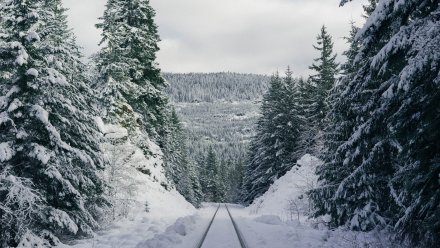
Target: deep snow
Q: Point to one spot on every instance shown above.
(268, 223)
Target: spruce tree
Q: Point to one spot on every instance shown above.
(129, 74)
(222, 182)
(175, 150)
(388, 167)
(49, 150)
(195, 184)
(316, 90)
(341, 122)
(275, 148)
(211, 176)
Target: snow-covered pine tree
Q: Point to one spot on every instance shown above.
(49, 150)
(275, 147)
(317, 89)
(179, 169)
(129, 74)
(195, 184)
(340, 123)
(222, 182)
(326, 70)
(390, 162)
(184, 184)
(211, 174)
(175, 158)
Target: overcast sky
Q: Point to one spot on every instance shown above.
(255, 36)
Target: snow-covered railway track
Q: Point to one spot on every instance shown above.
(200, 243)
(237, 230)
(222, 231)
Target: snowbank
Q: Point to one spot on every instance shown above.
(143, 206)
(282, 217)
(286, 197)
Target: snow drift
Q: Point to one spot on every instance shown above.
(286, 197)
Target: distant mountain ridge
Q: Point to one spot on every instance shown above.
(218, 110)
(212, 87)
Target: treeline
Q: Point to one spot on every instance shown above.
(214, 87)
(292, 120)
(70, 133)
(219, 113)
(375, 125)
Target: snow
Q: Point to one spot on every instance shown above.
(31, 240)
(62, 219)
(111, 131)
(222, 233)
(6, 152)
(32, 72)
(288, 188)
(23, 56)
(4, 100)
(32, 36)
(269, 219)
(186, 232)
(40, 153)
(137, 227)
(14, 105)
(56, 78)
(43, 116)
(141, 226)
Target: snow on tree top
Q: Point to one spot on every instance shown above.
(6, 152)
(32, 36)
(32, 72)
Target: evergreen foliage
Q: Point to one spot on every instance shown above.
(209, 175)
(129, 73)
(385, 169)
(275, 147)
(179, 168)
(316, 91)
(215, 87)
(218, 110)
(49, 143)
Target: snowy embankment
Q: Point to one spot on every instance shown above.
(143, 207)
(287, 196)
(277, 219)
(281, 216)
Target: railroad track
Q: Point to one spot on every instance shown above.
(240, 239)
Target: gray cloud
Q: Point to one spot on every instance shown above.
(258, 36)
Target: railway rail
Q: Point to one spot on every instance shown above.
(241, 241)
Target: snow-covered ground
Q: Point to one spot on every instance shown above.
(164, 208)
(272, 221)
(142, 205)
(287, 197)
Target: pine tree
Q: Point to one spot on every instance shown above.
(175, 149)
(275, 147)
(129, 73)
(316, 90)
(49, 150)
(210, 189)
(388, 167)
(222, 182)
(341, 122)
(195, 185)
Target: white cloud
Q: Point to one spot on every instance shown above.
(258, 36)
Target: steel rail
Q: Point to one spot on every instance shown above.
(237, 231)
(199, 245)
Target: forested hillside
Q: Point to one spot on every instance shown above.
(219, 111)
(215, 87)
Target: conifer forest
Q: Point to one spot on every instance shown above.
(149, 139)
